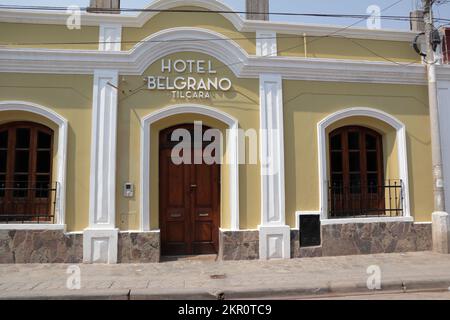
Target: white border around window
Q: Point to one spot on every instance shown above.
(351, 220)
(32, 226)
(61, 159)
(401, 149)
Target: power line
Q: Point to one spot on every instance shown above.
(317, 15)
(279, 37)
(200, 40)
(149, 41)
(207, 40)
(142, 87)
(316, 38)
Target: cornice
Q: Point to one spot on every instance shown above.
(242, 25)
(137, 60)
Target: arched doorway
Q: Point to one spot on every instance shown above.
(26, 188)
(189, 199)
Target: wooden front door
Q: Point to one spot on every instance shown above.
(189, 196)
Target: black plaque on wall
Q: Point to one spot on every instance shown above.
(309, 230)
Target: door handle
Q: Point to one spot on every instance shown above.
(193, 186)
(175, 215)
(203, 215)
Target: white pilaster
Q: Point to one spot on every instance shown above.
(440, 220)
(444, 127)
(274, 235)
(100, 238)
(110, 37)
(266, 43)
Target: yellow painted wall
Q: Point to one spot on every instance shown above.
(306, 103)
(211, 21)
(343, 48)
(135, 102)
(71, 97)
(24, 35)
(60, 37)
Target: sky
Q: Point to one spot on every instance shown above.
(300, 6)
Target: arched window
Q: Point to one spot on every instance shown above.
(356, 173)
(26, 189)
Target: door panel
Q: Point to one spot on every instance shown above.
(205, 208)
(203, 186)
(175, 183)
(189, 203)
(174, 203)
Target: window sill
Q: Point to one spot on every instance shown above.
(366, 220)
(30, 226)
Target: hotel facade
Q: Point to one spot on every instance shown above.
(325, 142)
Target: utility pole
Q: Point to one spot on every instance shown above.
(440, 219)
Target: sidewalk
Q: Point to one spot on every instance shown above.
(230, 279)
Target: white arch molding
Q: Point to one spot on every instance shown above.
(364, 112)
(188, 39)
(61, 157)
(233, 157)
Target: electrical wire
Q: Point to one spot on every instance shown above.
(315, 38)
(119, 10)
(318, 38)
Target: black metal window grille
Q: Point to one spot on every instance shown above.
(376, 201)
(21, 203)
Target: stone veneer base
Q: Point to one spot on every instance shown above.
(40, 246)
(366, 238)
(55, 246)
(238, 245)
(139, 247)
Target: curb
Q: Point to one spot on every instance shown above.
(122, 294)
(339, 288)
(173, 294)
(311, 292)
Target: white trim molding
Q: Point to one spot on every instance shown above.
(110, 37)
(233, 157)
(61, 158)
(274, 242)
(364, 112)
(274, 235)
(102, 194)
(137, 21)
(103, 150)
(366, 220)
(136, 60)
(32, 226)
(243, 65)
(266, 44)
(327, 221)
(443, 88)
(100, 245)
(188, 39)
